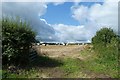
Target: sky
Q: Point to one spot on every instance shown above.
(63, 21)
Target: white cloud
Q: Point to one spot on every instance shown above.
(71, 33)
(30, 12)
(52, 0)
(23, 0)
(1, 10)
(58, 2)
(24, 8)
(91, 19)
(100, 15)
(106, 14)
(80, 13)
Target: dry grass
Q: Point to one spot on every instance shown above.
(59, 50)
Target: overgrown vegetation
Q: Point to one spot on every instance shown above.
(17, 37)
(106, 45)
(100, 61)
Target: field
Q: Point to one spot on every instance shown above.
(75, 58)
(71, 61)
(60, 39)
(60, 51)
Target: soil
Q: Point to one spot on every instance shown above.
(61, 51)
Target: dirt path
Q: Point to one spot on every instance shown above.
(60, 51)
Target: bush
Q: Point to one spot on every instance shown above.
(16, 41)
(103, 37)
(106, 45)
(105, 41)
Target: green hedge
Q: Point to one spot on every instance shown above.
(17, 37)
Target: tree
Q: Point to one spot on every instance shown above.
(106, 44)
(16, 41)
(103, 37)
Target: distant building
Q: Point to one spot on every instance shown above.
(38, 44)
(63, 43)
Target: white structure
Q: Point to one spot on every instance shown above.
(38, 44)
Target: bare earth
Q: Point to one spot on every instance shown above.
(60, 51)
(55, 51)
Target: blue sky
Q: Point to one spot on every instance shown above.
(66, 21)
(60, 14)
(57, 14)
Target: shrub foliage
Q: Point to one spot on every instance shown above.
(106, 45)
(17, 37)
(104, 37)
